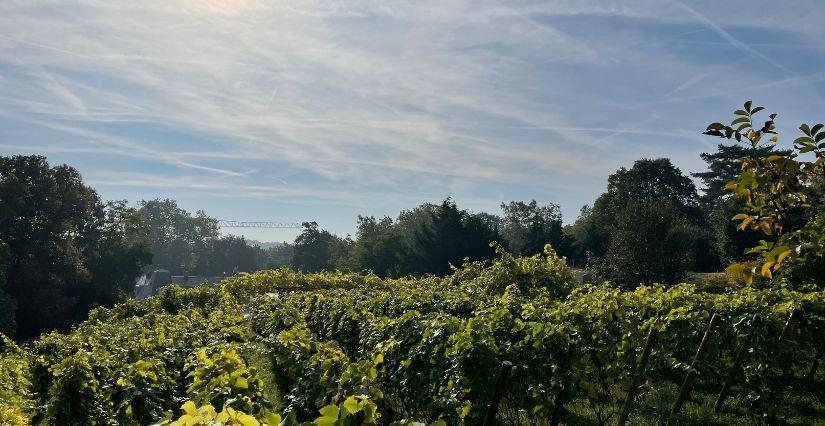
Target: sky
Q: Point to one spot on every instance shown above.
(324, 110)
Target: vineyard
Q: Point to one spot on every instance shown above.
(517, 341)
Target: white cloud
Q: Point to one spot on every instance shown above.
(381, 98)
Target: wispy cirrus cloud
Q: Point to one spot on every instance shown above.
(385, 105)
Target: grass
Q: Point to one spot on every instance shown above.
(799, 404)
(267, 372)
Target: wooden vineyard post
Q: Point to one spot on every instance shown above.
(790, 325)
(812, 372)
(495, 400)
(558, 407)
(700, 354)
(638, 376)
(788, 334)
(737, 362)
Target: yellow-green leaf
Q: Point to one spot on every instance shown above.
(351, 405)
(329, 411)
(273, 419)
(246, 420)
(766, 270)
(190, 408)
(242, 383)
(782, 256)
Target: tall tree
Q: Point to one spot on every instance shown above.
(584, 234)
(229, 254)
(62, 251)
(180, 241)
(50, 218)
(318, 250)
(654, 180)
(276, 256)
(8, 306)
(120, 253)
(649, 180)
(724, 166)
(651, 244)
(378, 247)
(782, 195)
(527, 227)
(720, 205)
(445, 235)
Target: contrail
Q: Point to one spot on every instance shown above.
(729, 37)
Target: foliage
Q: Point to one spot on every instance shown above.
(119, 255)
(16, 402)
(206, 415)
(350, 349)
(547, 273)
(724, 166)
(277, 256)
(355, 410)
(77, 396)
(223, 380)
(446, 237)
(317, 250)
(8, 306)
(651, 244)
(180, 241)
(379, 247)
(779, 191)
(720, 204)
(528, 227)
(230, 254)
(731, 242)
(648, 182)
(61, 250)
(430, 238)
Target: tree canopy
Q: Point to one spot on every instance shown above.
(782, 194)
(63, 250)
(180, 241)
(528, 227)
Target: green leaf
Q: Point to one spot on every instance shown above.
(740, 120)
(816, 129)
(189, 408)
(329, 411)
(740, 112)
(246, 420)
(242, 383)
(805, 129)
(748, 106)
(803, 140)
(351, 405)
(757, 109)
(273, 419)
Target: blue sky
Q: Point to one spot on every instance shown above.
(321, 110)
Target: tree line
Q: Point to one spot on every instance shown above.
(63, 250)
(650, 225)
